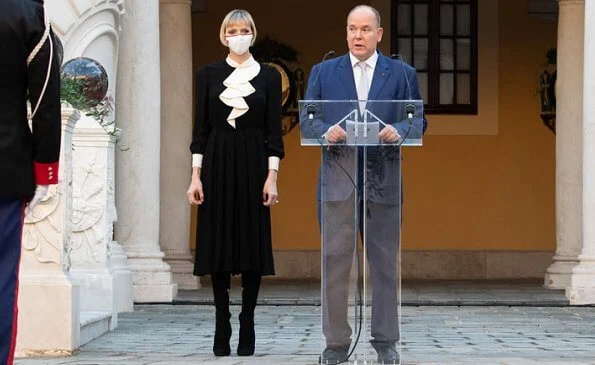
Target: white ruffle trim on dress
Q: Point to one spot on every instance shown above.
(238, 86)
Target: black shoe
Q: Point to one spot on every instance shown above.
(250, 288)
(221, 341)
(247, 336)
(334, 355)
(387, 354)
(222, 315)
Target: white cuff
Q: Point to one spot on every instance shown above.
(274, 163)
(197, 160)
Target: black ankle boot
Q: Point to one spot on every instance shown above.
(222, 335)
(247, 335)
(222, 315)
(250, 288)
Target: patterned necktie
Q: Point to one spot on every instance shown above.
(363, 85)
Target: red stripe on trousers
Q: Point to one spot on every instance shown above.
(13, 342)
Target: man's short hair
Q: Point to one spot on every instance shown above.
(373, 10)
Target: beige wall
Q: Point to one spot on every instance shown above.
(463, 190)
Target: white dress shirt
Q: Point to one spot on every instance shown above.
(371, 65)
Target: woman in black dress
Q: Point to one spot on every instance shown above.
(236, 148)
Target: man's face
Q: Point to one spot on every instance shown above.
(363, 33)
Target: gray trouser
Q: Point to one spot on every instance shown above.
(339, 240)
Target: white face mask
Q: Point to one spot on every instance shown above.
(239, 44)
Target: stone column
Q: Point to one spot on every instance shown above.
(138, 114)
(176, 130)
(582, 282)
(49, 300)
(569, 132)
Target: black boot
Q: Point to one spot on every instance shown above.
(221, 283)
(250, 288)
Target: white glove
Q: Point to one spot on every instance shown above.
(40, 193)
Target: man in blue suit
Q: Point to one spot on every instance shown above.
(361, 74)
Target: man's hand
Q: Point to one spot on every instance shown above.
(335, 134)
(389, 134)
(40, 193)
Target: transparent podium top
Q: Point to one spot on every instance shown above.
(362, 121)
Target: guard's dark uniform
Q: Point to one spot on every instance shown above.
(27, 158)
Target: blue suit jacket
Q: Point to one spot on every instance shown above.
(333, 80)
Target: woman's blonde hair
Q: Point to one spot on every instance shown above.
(237, 16)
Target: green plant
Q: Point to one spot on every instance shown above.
(73, 90)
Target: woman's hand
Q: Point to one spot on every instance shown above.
(195, 193)
(269, 192)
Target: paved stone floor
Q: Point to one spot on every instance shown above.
(466, 334)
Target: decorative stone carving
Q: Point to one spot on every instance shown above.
(45, 263)
(92, 225)
(41, 233)
(89, 206)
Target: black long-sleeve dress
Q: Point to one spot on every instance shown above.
(234, 227)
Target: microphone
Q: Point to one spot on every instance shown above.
(409, 110)
(398, 57)
(312, 108)
(329, 53)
